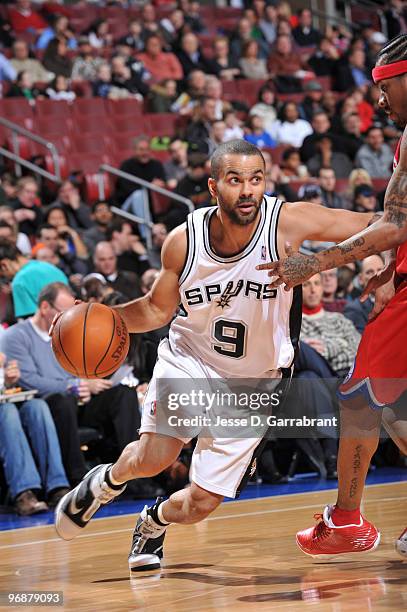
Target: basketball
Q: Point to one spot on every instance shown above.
(90, 340)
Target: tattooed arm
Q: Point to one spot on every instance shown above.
(387, 233)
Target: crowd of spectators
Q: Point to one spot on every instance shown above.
(299, 90)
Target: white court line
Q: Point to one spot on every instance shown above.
(211, 518)
(235, 501)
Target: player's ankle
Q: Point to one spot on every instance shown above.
(341, 517)
(157, 514)
(112, 481)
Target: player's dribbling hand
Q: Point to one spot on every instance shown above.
(292, 270)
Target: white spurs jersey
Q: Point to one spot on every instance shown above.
(229, 317)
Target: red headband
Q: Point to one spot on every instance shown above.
(389, 71)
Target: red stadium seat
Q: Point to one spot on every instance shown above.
(89, 143)
(127, 124)
(52, 124)
(63, 165)
(91, 124)
(160, 124)
(53, 108)
(82, 89)
(62, 142)
(17, 110)
(85, 106)
(160, 203)
(123, 141)
(121, 108)
(249, 89)
(91, 186)
(87, 163)
(19, 145)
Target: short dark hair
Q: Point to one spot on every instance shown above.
(98, 203)
(46, 226)
(394, 51)
(372, 128)
(197, 160)
(232, 147)
(116, 226)
(50, 292)
(288, 152)
(8, 250)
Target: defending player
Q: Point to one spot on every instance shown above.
(227, 314)
(379, 377)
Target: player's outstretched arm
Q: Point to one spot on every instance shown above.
(387, 233)
(157, 308)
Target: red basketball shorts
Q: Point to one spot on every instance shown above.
(380, 368)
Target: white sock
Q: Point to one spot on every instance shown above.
(160, 514)
(114, 482)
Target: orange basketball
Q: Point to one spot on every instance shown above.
(90, 340)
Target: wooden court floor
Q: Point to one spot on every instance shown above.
(243, 558)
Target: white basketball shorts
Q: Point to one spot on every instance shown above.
(220, 465)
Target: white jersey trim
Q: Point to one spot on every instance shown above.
(191, 249)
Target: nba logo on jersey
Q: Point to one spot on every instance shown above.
(263, 252)
(153, 408)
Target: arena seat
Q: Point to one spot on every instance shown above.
(86, 106)
(124, 108)
(53, 108)
(160, 124)
(159, 203)
(53, 124)
(62, 142)
(23, 143)
(89, 143)
(92, 125)
(17, 110)
(91, 187)
(63, 165)
(123, 140)
(87, 163)
(127, 124)
(249, 89)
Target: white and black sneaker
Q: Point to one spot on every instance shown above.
(77, 507)
(148, 538)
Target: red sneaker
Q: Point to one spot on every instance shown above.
(326, 539)
(401, 544)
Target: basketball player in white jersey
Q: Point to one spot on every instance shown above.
(229, 326)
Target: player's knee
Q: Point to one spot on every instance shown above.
(201, 503)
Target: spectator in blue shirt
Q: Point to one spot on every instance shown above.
(7, 72)
(257, 134)
(60, 29)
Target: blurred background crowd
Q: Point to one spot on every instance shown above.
(152, 89)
